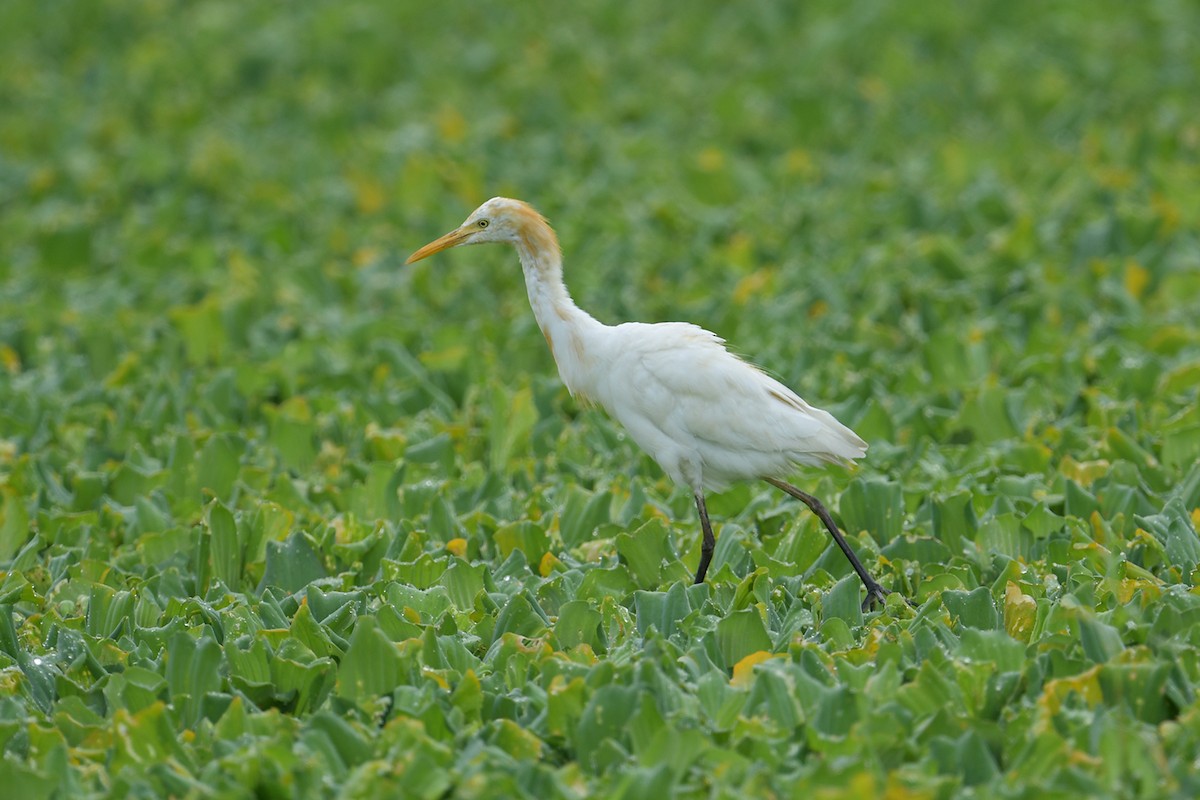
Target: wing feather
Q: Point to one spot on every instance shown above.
(681, 380)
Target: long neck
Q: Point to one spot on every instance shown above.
(569, 330)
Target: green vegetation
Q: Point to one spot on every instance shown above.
(281, 517)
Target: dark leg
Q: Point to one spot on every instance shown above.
(875, 592)
(706, 548)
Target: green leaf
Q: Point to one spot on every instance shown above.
(582, 513)
(1042, 522)
(249, 659)
(1173, 527)
(512, 420)
(463, 583)
(134, 689)
(422, 573)
(643, 782)
(645, 550)
(974, 609)
(14, 523)
(295, 672)
(875, 505)
(352, 747)
(107, 611)
(518, 616)
(843, 601)
(803, 544)
(565, 702)
(1140, 688)
(600, 583)
(603, 720)
(372, 665)
(218, 465)
(720, 702)
(986, 416)
(291, 564)
(429, 604)
(993, 647)
(661, 610)
(921, 549)
(203, 334)
(1079, 502)
(468, 696)
(836, 713)
(967, 756)
(775, 696)
(192, 673)
(1004, 534)
(525, 536)
(1181, 447)
(269, 522)
(293, 436)
(1100, 642)
(25, 781)
(954, 520)
(579, 623)
(740, 634)
(226, 547)
(514, 740)
(309, 632)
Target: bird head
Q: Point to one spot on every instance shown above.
(498, 220)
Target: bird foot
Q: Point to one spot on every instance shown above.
(876, 595)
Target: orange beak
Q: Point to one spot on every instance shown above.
(451, 239)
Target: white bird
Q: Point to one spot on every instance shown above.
(706, 416)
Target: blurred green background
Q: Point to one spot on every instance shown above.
(236, 432)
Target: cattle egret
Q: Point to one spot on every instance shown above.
(707, 417)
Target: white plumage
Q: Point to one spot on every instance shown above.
(706, 416)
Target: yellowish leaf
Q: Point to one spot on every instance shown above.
(121, 374)
(743, 671)
(799, 162)
(872, 89)
(897, 789)
(1114, 177)
(1127, 587)
(1167, 211)
(751, 285)
(445, 360)
(436, 676)
(9, 359)
(369, 194)
(1085, 684)
(364, 256)
(43, 179)
(861, 784)
(1083, 472)
(385, 444)
(548, 564)
(451, 125)
(1136, 279)
(519, 743)
(1020, 612)
(296, 408)
(710, 159)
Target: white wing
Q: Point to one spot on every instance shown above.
(707, 416)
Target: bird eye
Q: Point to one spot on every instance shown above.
(483, 223)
